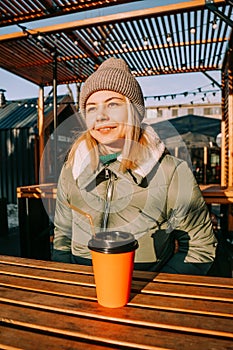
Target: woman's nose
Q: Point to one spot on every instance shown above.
(101, 114)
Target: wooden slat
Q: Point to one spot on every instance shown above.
(185, 321)
(153, 286)
(131, 335)
(17, 11)
(155, 302)
(12, 338)
(141, 275)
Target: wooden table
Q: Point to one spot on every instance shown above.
(217, 194)
(47, 305)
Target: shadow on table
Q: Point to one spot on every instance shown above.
(140, 281)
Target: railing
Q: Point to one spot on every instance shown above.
(36, 205)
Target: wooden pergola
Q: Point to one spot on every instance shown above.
(186, 36)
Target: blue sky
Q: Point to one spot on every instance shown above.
(18, 88)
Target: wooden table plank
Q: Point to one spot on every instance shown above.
(12, 338)
(223, 326)
(155, 302)
(145, 287)
(106, 332)
(141, 275)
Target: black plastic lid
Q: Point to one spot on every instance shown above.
(113, 242)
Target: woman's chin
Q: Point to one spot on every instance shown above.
(112, 145)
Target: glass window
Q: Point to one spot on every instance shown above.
(208, 111)
(190, 111)
(159, 113)
(174, 112)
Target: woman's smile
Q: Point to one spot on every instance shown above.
(105, 128)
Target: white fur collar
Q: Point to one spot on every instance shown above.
(82, 157)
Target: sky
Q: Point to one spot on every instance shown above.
(174, 84)
(18, 88)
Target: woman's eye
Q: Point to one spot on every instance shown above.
(91, 109)
(113, 105)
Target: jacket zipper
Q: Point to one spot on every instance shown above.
(112, 177)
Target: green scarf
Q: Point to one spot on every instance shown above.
(108, 158)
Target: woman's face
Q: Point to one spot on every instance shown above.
(106, 117)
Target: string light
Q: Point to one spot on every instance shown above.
(124, 45)
(96, 43)
(185, 94)
(201, 63)
(33, 105)
(40, 37)
(200, 90)
(145, 42)
(214, 24)
(169, 38)
(182, 105)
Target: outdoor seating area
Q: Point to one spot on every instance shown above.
(53, 304)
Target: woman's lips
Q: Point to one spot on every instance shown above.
(105, 128)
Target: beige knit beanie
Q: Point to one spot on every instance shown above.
(113, 74)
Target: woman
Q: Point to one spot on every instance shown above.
(120, 174)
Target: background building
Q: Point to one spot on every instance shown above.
(19, 156)
(212, 110)
(191, 133)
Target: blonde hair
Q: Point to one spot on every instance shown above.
(133, 152)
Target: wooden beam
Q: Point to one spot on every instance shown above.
(116, 17)
(230, 123)
(41, 128)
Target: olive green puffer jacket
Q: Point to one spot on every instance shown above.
(159, 206)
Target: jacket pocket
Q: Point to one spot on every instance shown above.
(164, 244)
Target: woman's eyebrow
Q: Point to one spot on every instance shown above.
(114, 98)
(108, 99)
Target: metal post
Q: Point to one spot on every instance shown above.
(40, 172)
(55, 121)
(205, 165)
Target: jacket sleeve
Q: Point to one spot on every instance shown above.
(62, 223)
(189, 221)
